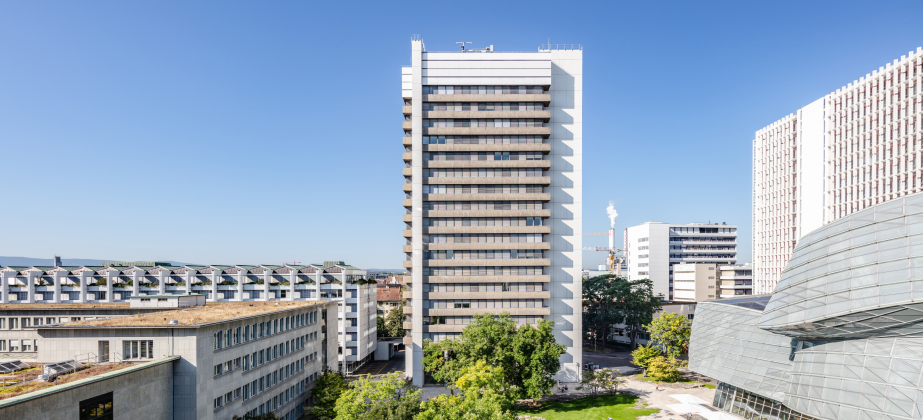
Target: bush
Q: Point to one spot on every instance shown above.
(642, 356)
(664, 370)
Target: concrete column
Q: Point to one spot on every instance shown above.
(267, 275)
(241, 279)
(30, 290)
(414, 352)
(5, 287)
(190, 276)
(136, 277)
(57, 285)
(109, 282)
(317, 279)
(162, 277)
(85, 277)
(293, 277)
(215, 276)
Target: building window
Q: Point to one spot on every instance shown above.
(97, 408)
(217, 403)
(14, 345)
(138, 349)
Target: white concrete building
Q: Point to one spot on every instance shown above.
(735, 280)
(851, 149)
(493, 192)
(653, 248)
(355, 294)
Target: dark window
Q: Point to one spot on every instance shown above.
(97, 408)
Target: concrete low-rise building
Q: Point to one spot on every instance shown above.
(29, 295)
(233, 358)
(735, 280)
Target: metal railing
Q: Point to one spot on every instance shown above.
(560, 47)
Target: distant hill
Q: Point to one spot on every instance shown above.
(28, 262)
(386, 270)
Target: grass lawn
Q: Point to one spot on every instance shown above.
(619, 407)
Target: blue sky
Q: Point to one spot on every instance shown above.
(262, 132)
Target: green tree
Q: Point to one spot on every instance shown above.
(598, 307)
(380, 326)
(528, 355)
(607, 380)
(327, 389)
(642, 356)
(663, 370)
(394, 322)
(635, 305)
(482, 396)
(390, 398)
(671, 331)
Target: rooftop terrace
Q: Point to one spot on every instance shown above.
(21, 306)
(195, 316)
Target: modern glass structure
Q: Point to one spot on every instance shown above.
(842, 335)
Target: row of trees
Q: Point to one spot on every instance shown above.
(494, 362)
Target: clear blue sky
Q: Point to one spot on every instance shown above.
(261, 132)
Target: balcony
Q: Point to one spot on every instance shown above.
(494, 311)
(408, 141)
(488, 197)
(408, 233)
(407, 125)
(408, 248)
(486, 213)
(487, 229)
(544, 98)
(545, 115)
(407, 187)
(408, 157)
(536, 262)
(487, 147)
(486, 245)
(407, 171)
(524, 180)
(487, 295)
(489, 279)
(408, 264)
(407, 110)
(486, 131)
(543, 164)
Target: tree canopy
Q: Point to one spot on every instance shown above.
(671, 331)
(394, 321)
(609, 300)
(390, 398)
(482, 396)
(327, 389)
(528, 355)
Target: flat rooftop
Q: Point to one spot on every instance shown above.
(196, 315)
(63, 306)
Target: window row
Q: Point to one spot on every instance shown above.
(464, 238)
(482, 122)
(482, 303)
(465, 320)
(235, 336)
(267, 355)
(19, 345)
(484, 287)
(137, 349)
(482, 271)
(271, 379)
(443, 156)
(481, 221)
(482, 189)
(482, 173)
(483, 90)
(483, 106)
(482, 205)
(283, 398)
(483, 140)
(507, 254)
(26, 322)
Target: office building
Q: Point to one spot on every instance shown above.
(735, 280)
(653, 248)
(841, 337)
(21, 288)
(851, 149)
(493, 180)
(222, 359)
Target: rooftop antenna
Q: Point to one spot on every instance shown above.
(463, 44)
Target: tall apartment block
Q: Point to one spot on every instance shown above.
(493, 193)
(851, 149)
(654, 248)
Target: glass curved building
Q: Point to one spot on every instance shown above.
(841, 337)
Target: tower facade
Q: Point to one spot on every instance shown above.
(493, 193)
